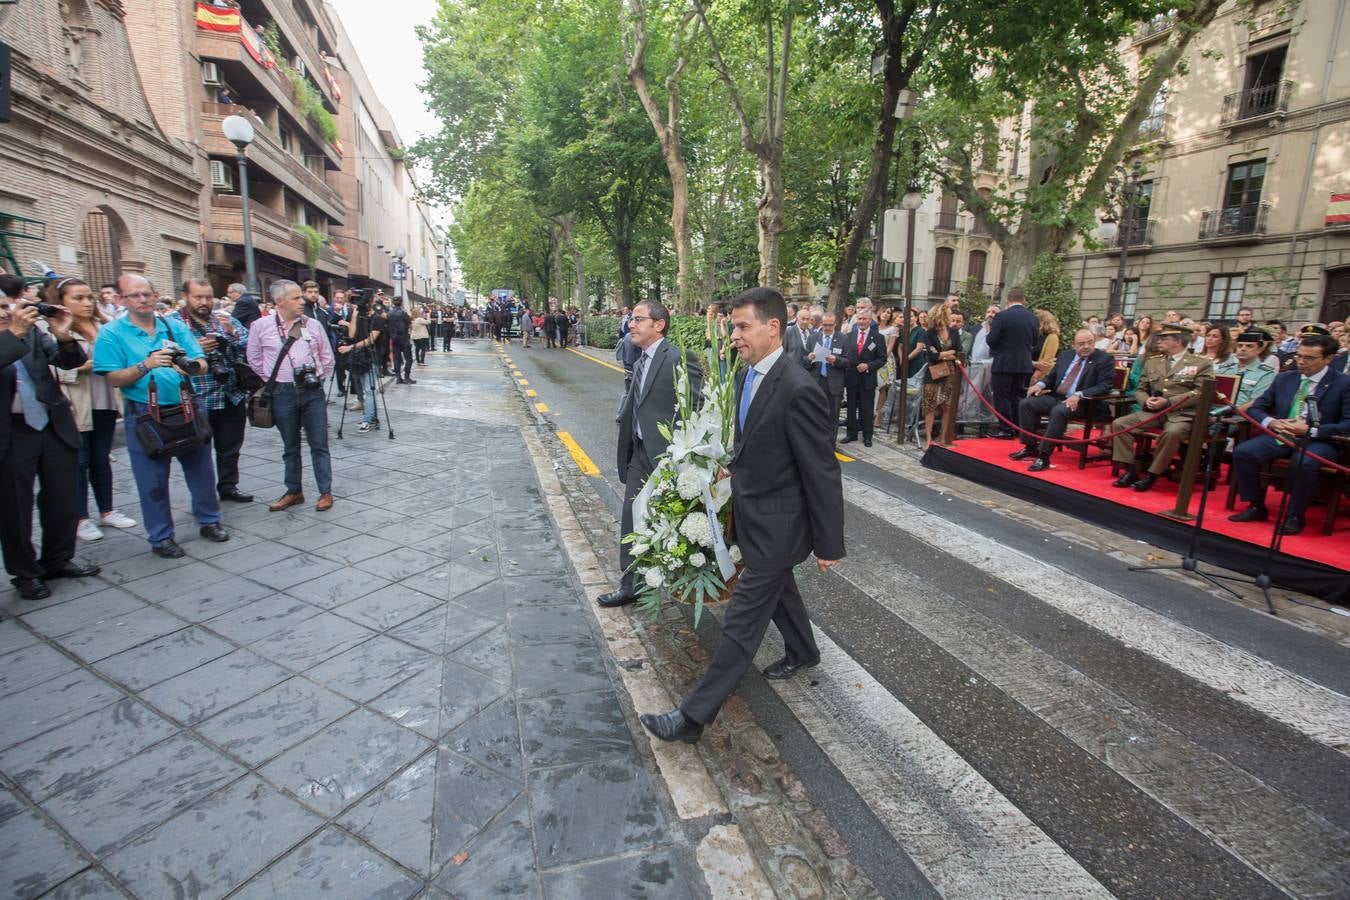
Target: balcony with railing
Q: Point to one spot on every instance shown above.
(949, 221)
(1259, 102)
(1137, 234)
(1153, 29)
(941, 286)
(1234, 223)
(1157, 128)
(271, 233)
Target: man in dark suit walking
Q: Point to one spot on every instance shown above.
(864, 353)
(826, 361)
(782, 444)
(39, 441)
(1079, 374)
(650, 401)
(1013, 333)
(797, 336)
(1312, 404)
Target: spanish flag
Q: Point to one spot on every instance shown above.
(218, 18)
(1338, 210)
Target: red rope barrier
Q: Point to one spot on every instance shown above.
(1294, 447)
(1082, 440)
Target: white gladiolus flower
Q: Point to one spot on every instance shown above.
(735, 553)
(653, 578)
(698, 560)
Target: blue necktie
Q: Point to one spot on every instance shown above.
(745, 394)
(34, 412)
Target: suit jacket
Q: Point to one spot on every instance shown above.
(873, 353)
(246, 310)
(784, 447)
(1332, 397)
(35, 353)
(836, 372)
(1097, 380)
(794, 345)
(656, 405)
(1013, 335)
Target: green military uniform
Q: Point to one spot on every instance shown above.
(1175, 379)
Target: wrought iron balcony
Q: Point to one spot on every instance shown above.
(941, 287)
(1258, 102)
(949, 221)
(1247, 220)
(1153, 28)
(1139, 233)
(1157, 127)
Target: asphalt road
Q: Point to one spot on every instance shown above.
(1158, 743)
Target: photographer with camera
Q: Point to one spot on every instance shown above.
(38, 440)
(224, 388)
(356, 345)
(297, 397)
(133, 352)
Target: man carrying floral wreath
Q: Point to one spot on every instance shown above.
(650, 402)
(782, 444)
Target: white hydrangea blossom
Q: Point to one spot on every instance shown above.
(695, 527)
(698, 560)
(653, 578)
(735, 552)
(688, 484)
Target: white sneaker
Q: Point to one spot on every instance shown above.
(363, 427)
(117, 520)
(88, 531)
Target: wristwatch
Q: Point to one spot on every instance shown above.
(142, 368)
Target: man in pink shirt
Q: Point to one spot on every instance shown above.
(297, 397)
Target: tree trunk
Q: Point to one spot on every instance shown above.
(623, 255)
(771, 219)
(578, 263)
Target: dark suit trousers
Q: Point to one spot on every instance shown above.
(227, 434)
(42, 455)
(760, 596)
(836, 400)
(639, 468)
(1251, 454)
(862, 402)
(403, 358)
(1030, 410)
(1008, 388)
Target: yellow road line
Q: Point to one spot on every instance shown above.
(578, 455)
(522, 381)
(598, 362)
(842, 458)
(531, 393)
(542, 407)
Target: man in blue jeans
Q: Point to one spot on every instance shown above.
(356, 343)
(131, 352)
(298, 399)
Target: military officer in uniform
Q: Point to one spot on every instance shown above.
(1172, 376)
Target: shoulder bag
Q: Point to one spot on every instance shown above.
(260, 401)
(165, 432)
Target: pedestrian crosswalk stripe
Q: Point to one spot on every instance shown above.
(578, 455)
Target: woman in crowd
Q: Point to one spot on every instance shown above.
(1131, 342)
(95, 404)
(1145, 327)
(421, 337)
(1047, 347)
(941, 345)
(1112, 341)
(1218, 343)
(889, 327)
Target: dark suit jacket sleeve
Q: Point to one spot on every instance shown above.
(1056, 374)
(695, 371)
(1103, 376)
(808, 434)
(876, 357)
(1265, 404)
(994, 332)
(1336, 421)
(11, 348)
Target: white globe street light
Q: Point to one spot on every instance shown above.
(239, 131)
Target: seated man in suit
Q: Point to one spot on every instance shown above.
(1312, 403)
(1080, 373)
(826, 361)
(1171, 377)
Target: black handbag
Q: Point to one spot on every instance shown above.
(260, 401)
(167, 431)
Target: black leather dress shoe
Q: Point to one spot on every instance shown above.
(1291, 525)
(615, 598)
(848, 439)
(867, 442)
(784, 669)
(1025, 453)
(1040, 465)
(672, 726)
(1251, 514)
(410, 381)
(168, 549)
(236, 497)
(1127, 478)
(32, 588)
(214, 532)
(1146, 482)
(73, 569)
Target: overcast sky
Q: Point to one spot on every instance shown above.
(392, 56)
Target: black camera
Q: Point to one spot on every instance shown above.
(47, 309)
(308, 377)
(177, 355)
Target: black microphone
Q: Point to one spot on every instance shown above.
(1314, 415)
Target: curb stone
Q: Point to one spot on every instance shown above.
(755, 830)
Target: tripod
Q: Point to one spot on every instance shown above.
(379, 395)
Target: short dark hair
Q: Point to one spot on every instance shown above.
(11, 286)
(1324, 342)
(107, 285)
(309, 284)
(657, 312)
(195, 282)
(767, 303)
(1274, 322)
(1017, 295)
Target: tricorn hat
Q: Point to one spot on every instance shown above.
(1254, 336)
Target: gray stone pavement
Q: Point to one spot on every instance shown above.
(401, 697)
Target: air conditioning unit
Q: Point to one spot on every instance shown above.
(211, 74)
(222, 175)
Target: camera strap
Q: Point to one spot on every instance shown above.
(276, 366)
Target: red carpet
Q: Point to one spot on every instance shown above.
(1095, 480)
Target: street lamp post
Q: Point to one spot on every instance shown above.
(239, 131)
(398, 268)
(1109, 230)
(912, 200)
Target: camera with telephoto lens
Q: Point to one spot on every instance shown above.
(308, 377)
(46, 310)
(177, 355)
